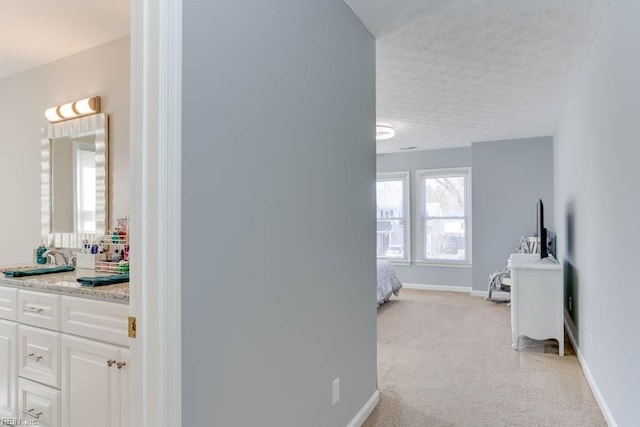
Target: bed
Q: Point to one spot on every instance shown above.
(388, 282)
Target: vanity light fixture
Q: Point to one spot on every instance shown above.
(384, 131)
(80, 108)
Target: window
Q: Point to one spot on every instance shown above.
(444, 227)
(392, 214)
(85, 187)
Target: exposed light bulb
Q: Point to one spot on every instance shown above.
(86, 106)
(52, 114)
(67, 111)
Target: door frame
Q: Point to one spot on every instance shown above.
(155, 166)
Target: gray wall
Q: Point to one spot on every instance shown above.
(508, 178)
(412, 161)
(598, 209)
(104, 71)
(278, 294)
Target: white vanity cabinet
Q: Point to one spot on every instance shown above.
(63, 360)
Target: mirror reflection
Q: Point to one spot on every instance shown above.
(73, 184)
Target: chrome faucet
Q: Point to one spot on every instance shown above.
(55, 255)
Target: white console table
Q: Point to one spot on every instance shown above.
(536, 299)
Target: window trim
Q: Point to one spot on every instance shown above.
(420, 175)
(405, 176)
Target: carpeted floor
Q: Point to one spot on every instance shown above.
(445, 359)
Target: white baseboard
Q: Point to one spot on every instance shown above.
(606, 412)
(436, 287)
(495, 294)
(366, 410)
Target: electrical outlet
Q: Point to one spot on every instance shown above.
(590, 342)
(335, 391)
(570, 303)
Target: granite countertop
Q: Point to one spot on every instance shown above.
(66, 284)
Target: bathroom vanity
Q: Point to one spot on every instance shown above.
(64, 351)
(64, 348)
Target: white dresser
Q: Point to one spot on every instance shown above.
(536, 299)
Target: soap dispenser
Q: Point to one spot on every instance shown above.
(40, 259)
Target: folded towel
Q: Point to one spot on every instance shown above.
(104, 280)
(38, 271)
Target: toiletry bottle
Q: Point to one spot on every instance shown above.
(40, 259)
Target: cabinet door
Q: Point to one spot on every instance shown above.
(90, 387)
(124, 388)
(8, 368)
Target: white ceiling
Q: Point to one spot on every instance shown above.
(453, 72)
(36, 32)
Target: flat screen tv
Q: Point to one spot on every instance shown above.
(542, 232)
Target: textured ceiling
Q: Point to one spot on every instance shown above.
(36, 32)
(453, 72)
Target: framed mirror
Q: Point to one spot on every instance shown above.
(74, 180)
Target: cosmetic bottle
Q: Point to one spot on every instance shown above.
(124, 266)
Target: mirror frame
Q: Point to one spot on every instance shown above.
(97, 124)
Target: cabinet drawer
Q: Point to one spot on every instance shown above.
(39, 355)
(98, 320)
(39, 309)
(38, 404)
(8, 303)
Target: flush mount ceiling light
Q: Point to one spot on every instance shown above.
(80, 108)
(384, 131)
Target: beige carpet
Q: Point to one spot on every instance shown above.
(445, 359)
